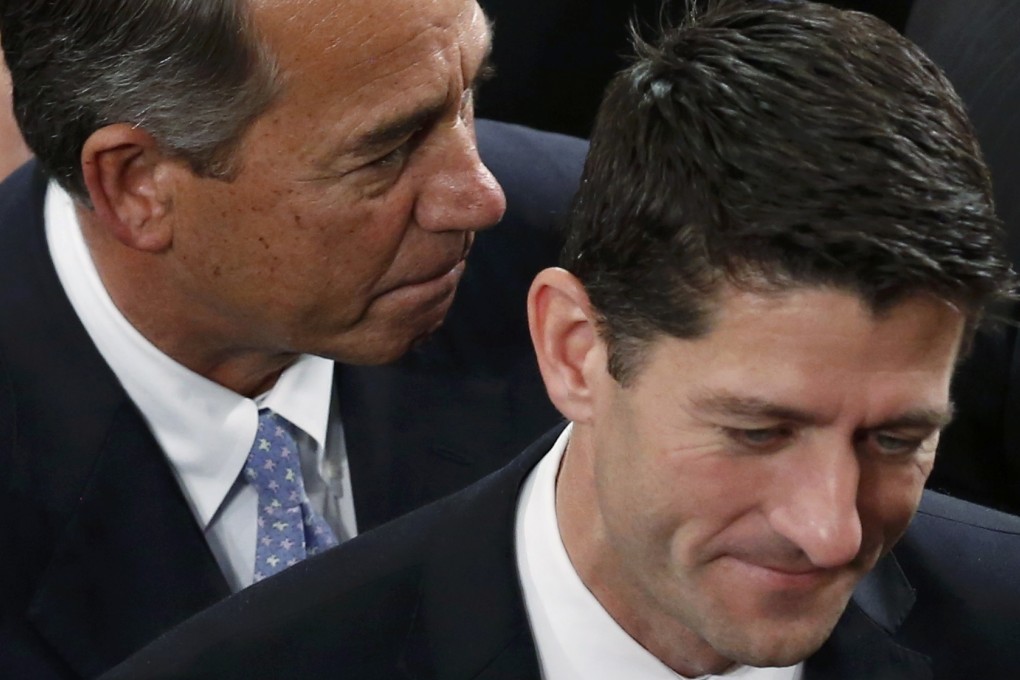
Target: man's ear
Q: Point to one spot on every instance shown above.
(571, 356)
(123, 169)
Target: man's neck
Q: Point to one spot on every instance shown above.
(178, 328)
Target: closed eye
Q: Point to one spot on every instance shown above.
(759, 438)
(894, 445)
(395, 157)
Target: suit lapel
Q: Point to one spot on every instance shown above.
(471, 620)
(124, 571)
(369, 440)
(111, 553)
(861, 646)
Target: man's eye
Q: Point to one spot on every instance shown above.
(394, 158)
(760, 437)
(891, 445)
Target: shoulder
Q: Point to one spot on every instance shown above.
(351, 608)
(954, 519)
(22, 241)
(539, 173)
(502, 143)
(962, 561)
(969, 546)
(398, 549)
(964, 542)
(21, 191)
(537, 170)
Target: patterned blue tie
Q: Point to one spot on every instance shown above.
(288, 528)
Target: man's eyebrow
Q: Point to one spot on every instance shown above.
(932, 419)
(750, 407)
(753, 407)
(391, 132)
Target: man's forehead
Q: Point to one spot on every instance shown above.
(725, 403)
(753, 304)
(362, 29)
(805, 355)
(366, 72)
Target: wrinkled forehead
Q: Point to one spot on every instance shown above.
(360, 33)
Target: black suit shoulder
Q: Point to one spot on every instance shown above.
(350, 609)
(961, 560)
(431, 594)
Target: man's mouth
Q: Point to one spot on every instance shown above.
(447, 268)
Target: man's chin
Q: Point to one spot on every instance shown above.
(384, 347)
(776, 644)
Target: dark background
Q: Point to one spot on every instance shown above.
(554, 57)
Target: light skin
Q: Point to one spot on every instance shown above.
(725, 503)
(345, 228)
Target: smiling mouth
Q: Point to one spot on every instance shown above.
(782, 577)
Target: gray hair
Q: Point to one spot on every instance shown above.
(192, 73)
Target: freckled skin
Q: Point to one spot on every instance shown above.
(713, 548)
(314, 244)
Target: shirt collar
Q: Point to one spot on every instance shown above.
(204, 429)
(575, 636)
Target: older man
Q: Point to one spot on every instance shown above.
(229, 196)
(783, 240)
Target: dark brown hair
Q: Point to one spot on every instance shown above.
(773, 145)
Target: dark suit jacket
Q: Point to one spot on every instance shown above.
(435, 595)
(99, 552)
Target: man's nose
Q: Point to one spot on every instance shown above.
(817, 509)
(459, 192)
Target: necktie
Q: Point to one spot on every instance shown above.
(288, 528)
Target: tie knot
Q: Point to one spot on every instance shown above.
(274, 466)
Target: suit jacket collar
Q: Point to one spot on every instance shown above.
(471, 620)
(862, 646)
(112, 572)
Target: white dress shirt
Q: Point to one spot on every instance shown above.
(204, 429)
(576, 639)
